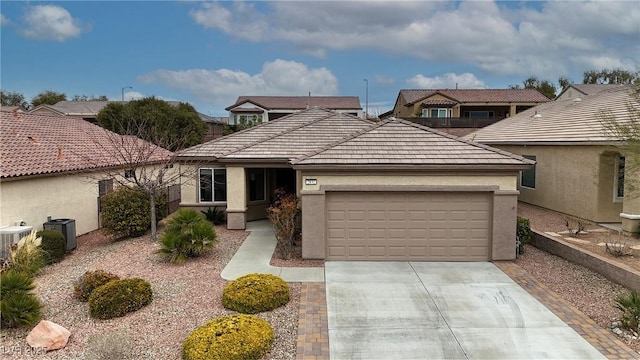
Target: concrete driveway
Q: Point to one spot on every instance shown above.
(432, 310)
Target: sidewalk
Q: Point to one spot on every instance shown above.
(255, 254)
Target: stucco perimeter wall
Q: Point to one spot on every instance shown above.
(313, 202)
(61, 197)
(572, 179)
(618, 273)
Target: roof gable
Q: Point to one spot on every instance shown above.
(34, 144)
(562, 121)
(395, 142)
(412, 96)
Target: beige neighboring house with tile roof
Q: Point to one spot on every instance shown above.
(54, 166)
(580, 167)
(260, 109)
(580, 90)
(388, 190)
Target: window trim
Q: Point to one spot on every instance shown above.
(531, 170)
(213, 193)
(617, 178)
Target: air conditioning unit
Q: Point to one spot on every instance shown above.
(10, 235)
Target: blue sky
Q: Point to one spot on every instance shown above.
(209, 53)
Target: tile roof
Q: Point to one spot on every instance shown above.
(561, 120)
(33, 144)
(274, 132)
(589, 89)
(322, 137)
(301, 102)
(395, 142)
(412, 96)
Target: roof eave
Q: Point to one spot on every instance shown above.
(483, 167)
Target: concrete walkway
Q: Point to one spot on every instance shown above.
(255, 254)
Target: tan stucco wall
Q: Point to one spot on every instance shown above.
(574, 180)
(504, 182)
(32, 200)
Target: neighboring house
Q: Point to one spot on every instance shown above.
(260, 109)
(389, 190)
(580, 168)
(462, 108)
(88, 110)
(581, 90)
(54, 166)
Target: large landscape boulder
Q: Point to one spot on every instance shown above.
(48, 335)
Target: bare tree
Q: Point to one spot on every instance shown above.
(131, 161)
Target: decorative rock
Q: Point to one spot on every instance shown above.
(617, 331)
(48, 335)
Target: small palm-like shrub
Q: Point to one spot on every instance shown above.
(214, 215)
(54, 245)
(27, 256)
(19, 307)
(235, 337)
(629, 304)
(255, 293)
(90, 281)
(119, 297)
(187, 234)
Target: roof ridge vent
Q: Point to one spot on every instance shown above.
(577, 100)
(536, 115)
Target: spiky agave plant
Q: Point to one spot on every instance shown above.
(629, 304)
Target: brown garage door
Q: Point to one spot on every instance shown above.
(437, 226)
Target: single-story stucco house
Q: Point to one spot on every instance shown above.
(580, 166)
(56, 167)
(388, 190)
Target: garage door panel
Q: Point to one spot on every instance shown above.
(408, 226)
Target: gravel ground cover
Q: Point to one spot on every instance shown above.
(590, 292)
(185, 297)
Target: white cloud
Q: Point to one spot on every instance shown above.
(505, 38)
(223, 86)
(4, 20)
(50, 22)
(447, 81)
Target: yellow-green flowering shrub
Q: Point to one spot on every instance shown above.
(235, 337)
(119, 297)
(255, 293)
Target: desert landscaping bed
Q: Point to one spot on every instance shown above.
(588, 291)
(185, 297)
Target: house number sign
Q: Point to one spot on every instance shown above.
(311, 181)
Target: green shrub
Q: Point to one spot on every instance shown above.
(54, 245)
(90, 281)
(27, 256)
(629, 304)
(125, 212)
(19, 307)
(235, 337)
(119, 297)
(523, 232)
(187, 234)
(214, 215)
(255, 293)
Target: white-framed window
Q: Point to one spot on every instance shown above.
(212, 184)
(438, 113)
(528, 177)
(618, 180)
(248, 119)
(257, 184)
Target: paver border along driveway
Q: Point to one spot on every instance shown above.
(440, 310)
